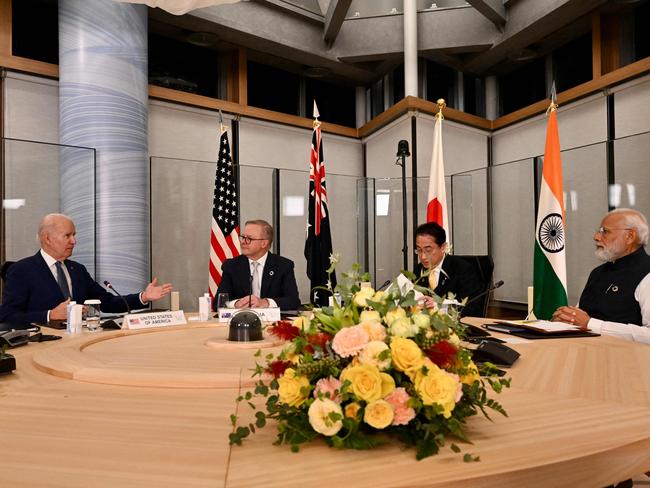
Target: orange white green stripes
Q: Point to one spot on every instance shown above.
(549, 281)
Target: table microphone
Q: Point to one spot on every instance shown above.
(498, 284)
(382, 287)
(108, 285)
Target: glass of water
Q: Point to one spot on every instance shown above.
(222, 300)
(93, 311)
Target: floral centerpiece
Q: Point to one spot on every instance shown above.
(374, 367)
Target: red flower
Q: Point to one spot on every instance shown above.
(277, 368)
(283, 329)
(442, 354)
(319, 339)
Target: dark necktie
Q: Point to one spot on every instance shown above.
(62, 281)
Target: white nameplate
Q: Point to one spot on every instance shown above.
(271, 314)
(153, 319)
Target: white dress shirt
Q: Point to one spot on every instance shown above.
(630, 332)
(51, 263)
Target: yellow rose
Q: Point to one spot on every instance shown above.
(387, 384)
(438, 387)
(369, 316)
(366, 381)
(352, 410)
(289, 353)
(379, 296)
(293, 390)
(301, 322)
(454, 340)
(319, 416)
(362, 295)
(379, 414)
(370, 353)
(472, 374)
(406, 354)
(394, 314)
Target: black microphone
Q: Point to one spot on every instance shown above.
(108, 285)
(498, 284)
(251, 290)
(382, 287)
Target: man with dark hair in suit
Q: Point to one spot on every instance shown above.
(258, 278)
(39, 288)
(447, 273)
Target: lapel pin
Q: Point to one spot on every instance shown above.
(271, 273)
(615, 288)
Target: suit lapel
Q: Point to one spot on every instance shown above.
(47, 278)
(268, 274)
(244, 270)
(75, 278)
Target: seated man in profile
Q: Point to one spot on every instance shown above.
(616, 298)
(447, 273)
(39, 288)
(258, 278)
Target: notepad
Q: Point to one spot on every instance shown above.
(544, 326)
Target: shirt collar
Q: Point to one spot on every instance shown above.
(261, 260)
(49, 260)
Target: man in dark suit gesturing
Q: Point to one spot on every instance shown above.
(39, 288)
(447, 273)
(258, 278)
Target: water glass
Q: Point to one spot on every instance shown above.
(93, 311)
(222, 300)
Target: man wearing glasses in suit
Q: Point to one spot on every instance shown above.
(616, 298)
(258, 278)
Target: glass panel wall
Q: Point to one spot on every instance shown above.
(31, 189)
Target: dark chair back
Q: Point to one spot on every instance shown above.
(5, 267)
(483, 267)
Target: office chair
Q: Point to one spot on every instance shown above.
(483, 267)
(5, 268)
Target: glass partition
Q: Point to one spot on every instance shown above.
(31, 188)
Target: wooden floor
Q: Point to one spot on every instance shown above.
(151, 409)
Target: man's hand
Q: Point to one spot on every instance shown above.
(154, 291)
(572, 315)
(252, 301)
(60, 312)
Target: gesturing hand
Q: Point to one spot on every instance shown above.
(154, 291)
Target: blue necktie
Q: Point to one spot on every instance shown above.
(62, 281)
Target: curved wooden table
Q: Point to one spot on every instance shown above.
(151, 408)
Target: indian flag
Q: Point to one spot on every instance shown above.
(550, 260)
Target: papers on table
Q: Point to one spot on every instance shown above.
(544, 326)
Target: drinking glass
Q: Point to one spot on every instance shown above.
(93, 311)
(222, 300)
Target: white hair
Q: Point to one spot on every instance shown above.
(48, 222)
(634, 220)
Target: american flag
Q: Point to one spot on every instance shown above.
(318, 245)
(224, 237)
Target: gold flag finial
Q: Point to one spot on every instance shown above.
(441, 105)
(553, 106)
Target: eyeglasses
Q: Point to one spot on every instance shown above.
(425, 250)
(603, 231)
(247, 239)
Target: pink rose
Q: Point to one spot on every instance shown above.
(399, 400)
(349, 341)
(329, 385)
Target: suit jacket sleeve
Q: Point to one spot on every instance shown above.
(468, 286)
(287, 297)
(15, 301)
(110, 302)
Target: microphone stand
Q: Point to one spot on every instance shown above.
(402, 152)
(250, 295)
(110, 287)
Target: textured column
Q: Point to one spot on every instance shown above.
(360, 106)
(491, 97)
(410, 48)
(103, 104)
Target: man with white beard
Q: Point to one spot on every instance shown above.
(616, 298)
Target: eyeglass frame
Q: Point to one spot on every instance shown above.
(247, 239)
(603, 231)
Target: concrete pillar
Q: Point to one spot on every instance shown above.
(491, 98)
(360, 106)
(103, 104)
(410, 48)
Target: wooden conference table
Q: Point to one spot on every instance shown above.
(151, 409)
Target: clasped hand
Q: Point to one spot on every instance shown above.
(252, 301)
(571, 315)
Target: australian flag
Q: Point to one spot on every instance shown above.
(318, 246)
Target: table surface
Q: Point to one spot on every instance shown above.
(151, 408)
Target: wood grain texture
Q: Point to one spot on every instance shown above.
(579, 415)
